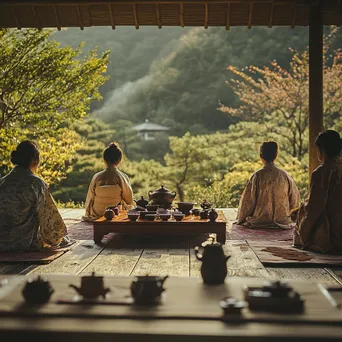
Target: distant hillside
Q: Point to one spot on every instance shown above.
(176, 77)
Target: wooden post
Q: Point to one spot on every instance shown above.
(315, 79)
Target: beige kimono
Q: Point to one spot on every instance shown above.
(107, 188)
(268, 198)
(319, 223)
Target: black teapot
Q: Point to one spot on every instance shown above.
(37, 291)
(109, 214)
(91, 287)
(142, 202)
(214, 262)
(162, 197)
(147, 289)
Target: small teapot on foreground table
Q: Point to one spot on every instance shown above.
(147, 289)
(214, 262)
(91, 287)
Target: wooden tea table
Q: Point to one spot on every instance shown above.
(189, 311)
(190, 225)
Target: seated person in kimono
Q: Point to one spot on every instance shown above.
(29, 218)
(270, 194)
(108, 187)
(319, 220)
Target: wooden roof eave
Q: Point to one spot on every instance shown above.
(206, 13)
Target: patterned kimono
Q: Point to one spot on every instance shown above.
(319, 222)
(29, 218)
(107, 188)
(268, 198)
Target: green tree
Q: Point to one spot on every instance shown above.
(44, 88)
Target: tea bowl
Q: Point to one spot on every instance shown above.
(150, 217)
(164, 217)
(178, 216)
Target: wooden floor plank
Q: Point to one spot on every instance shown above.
(242, 263)
(167, 258)
(15, 268)
(119, 257)
(312, 274)
(336, 273)
(72, 262)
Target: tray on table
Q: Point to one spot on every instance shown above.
(190, 225)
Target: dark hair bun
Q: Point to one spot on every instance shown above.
(26, 153)
(113, 146)
(112, 154)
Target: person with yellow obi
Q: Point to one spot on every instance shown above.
(108, 187)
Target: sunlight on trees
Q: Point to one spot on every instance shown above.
(44, 88)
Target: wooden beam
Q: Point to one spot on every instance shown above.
(294, 12)
(89, 13)
(39, 25)
(79, 17)
(228, 17)
(111, 16)
(158, 16)
(136, 21)
(181, 10)
(58, 22)
(206, 19)
(339, 12)
(17, 22)
(270, 20)
(250, 14)
(315, 80)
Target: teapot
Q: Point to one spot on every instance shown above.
(37, 291)
(214, 262)
(109, 214)
(91, 287)
(147, 289)
(142, 202)
(162, 196)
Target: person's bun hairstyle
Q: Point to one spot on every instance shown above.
(27, 152)
(112, 154)
(269, 151)
(330, 142)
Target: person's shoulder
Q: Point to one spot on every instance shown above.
(98, 174)
(123, 174)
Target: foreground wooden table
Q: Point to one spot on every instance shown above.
(188, 226)
(189, 312)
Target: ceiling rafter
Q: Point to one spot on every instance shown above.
(228, 17)
(158, 16)
(58, 22)
(294, 12)
(206, 19)
(79, 16)
(17, 21)
(35, 14)
(250, 15)
(181, 10)
(136, 21)
(111, 16)
(270, 21)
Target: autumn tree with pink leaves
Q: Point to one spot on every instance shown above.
(278, 98)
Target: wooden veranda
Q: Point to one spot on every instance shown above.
(159, 13)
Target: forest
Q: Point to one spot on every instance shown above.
(221, 93)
